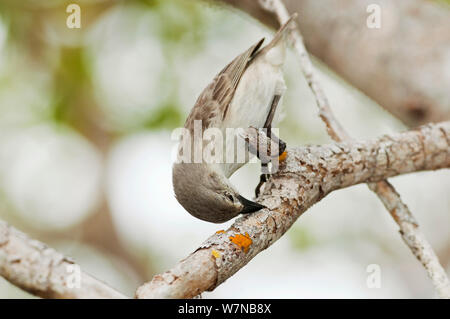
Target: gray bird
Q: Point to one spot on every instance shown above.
(244, 94)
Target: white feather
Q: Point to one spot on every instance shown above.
(253, 97)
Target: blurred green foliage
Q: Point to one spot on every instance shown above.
(166, 116)
(180, 21)
(301, 238)
(70, 74)
(69, 67)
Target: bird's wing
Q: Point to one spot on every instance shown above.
(227, 80)
(212, 104)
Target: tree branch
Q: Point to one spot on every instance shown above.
(42, 271)
(409, 228)
(307, 175)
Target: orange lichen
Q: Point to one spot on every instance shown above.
(242, 241)
(215, 253)
(220, 231)
(283, 156)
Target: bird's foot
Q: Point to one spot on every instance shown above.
(265, 172)
(262, 179)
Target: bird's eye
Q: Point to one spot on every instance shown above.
(230, 197)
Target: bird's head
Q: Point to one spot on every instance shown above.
(207, 194)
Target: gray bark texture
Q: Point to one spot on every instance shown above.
(408, 227)
(306, 176)
(42, 271)
(336, 32)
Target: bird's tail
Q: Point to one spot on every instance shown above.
(281, 32)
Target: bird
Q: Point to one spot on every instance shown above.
(243, 94)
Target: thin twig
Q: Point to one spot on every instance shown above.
(409, 229)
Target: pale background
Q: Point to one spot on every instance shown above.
(85, 153)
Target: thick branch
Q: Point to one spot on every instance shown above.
(309, 174)
(413, 87)
(42, 271)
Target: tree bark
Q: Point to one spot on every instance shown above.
(308, 174)
(408, 226)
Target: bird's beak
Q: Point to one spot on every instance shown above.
(249, 206)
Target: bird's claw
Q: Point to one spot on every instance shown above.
(262, 179)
